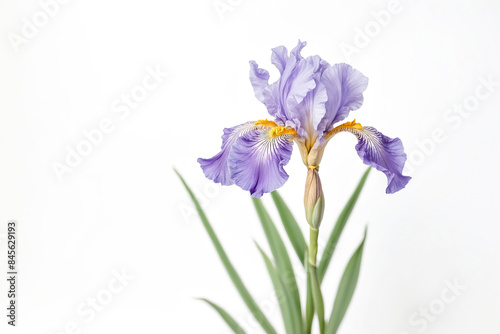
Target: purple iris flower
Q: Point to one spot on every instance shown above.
(308, 100)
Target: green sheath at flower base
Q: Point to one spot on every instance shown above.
(314, 199)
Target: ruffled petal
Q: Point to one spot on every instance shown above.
(289, 91)
(283, 98)
(279, 57)
(216, 168)
(345, 87)
(293, 92)
(381, 152)
(259, 78)
(320, 65)
(296, 50)
(256, 161)
(312, 108)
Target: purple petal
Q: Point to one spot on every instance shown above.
(256, 161)
(216, 168)
(296, 50)
(259, 79)
(285, 95)
(319, 65)
(279, 57)
(299, 84)
(345, 87)
(383, 153)
(282, 98)
(312, 109)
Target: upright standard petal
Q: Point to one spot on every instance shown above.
(259, 79)
(216, 168)
(312, 108)
(295, 83)
(279, 57)
(345, 87)
(283, 98)
(293, 93)
(379, 151)
(257, 159)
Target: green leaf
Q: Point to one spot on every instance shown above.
(229, 320)
(317, 297)
(280, 254)
(291, 226)
(238, 283)
(288, 309)
(339, 227)
(346, 289)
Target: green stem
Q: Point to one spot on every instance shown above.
(314, 299)
(313, 246)
(309, 316)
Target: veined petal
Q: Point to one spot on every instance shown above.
(296, 50)
(319, 64)
(345, 87)
(283, 98)
(279, 57)
(296, 81)
(259, 79)
(379, 151)
(257, 159)
(216, 168)
(310, 112)
(312, 108)
(293, 93)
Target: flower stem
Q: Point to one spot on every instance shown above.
(313, 246)
(311, 265)
(313, 277)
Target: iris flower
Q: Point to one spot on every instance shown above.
(306, 104)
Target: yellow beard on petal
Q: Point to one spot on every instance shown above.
(276, 130)
(342, 127)
(281, 130)
(266, 123)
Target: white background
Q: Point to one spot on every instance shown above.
(122, 207)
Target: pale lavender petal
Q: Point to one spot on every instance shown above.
(259, 79)
(310, 95)
(345, 87)
(294, 91)
(320, 65)
(216, 168)
(279, 58)
(383, 153)
(296, 50)
(285, 95)
(312, 109)
(271, 96)
(256, 161)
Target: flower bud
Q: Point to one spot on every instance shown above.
(314, 199)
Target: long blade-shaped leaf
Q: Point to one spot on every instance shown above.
(339, 227)
(288, 308)
(238, 283)
(346, 289)
(280, 254)
(229, 320)
(292, 228)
